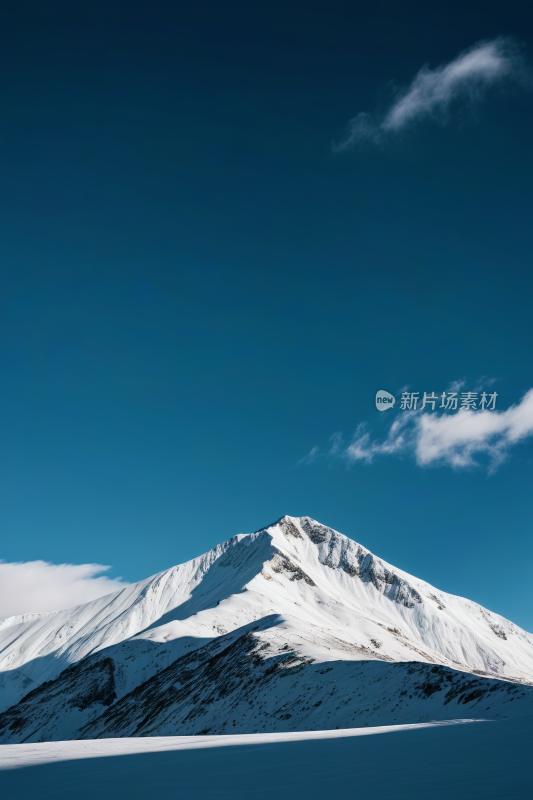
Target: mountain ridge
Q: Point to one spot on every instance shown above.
(329, 599)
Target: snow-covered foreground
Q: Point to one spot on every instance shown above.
(461, 759)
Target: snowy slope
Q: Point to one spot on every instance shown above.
(37, 647)
(250, 681)
(462, 760)
(310, 590)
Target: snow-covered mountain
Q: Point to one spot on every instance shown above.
(201, 645)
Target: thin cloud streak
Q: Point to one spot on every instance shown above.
(310, 457)
(336, 443)
(432, 93)
(456, 386)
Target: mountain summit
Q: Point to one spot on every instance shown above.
(269, 620)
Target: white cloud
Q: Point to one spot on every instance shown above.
(432, 93)
(310, 457)
(456, 386)
(465, 439)
(34, 586)
(363, 448)
(458, 439)
(485, 383)
(336, 443)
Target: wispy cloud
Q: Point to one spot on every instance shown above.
(36, 586)
(485, 383)
(336, 443)
(364, 448)
(433, 93)
(465, 439)
(310, 457)
(456, 386)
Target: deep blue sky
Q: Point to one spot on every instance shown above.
(195, 291)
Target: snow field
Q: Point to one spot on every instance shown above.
(446, 761)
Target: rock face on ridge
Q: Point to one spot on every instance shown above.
(339, 552)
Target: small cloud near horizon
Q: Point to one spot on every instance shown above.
(433, 93)
(38, 586)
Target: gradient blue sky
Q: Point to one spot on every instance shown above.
(195, 290)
